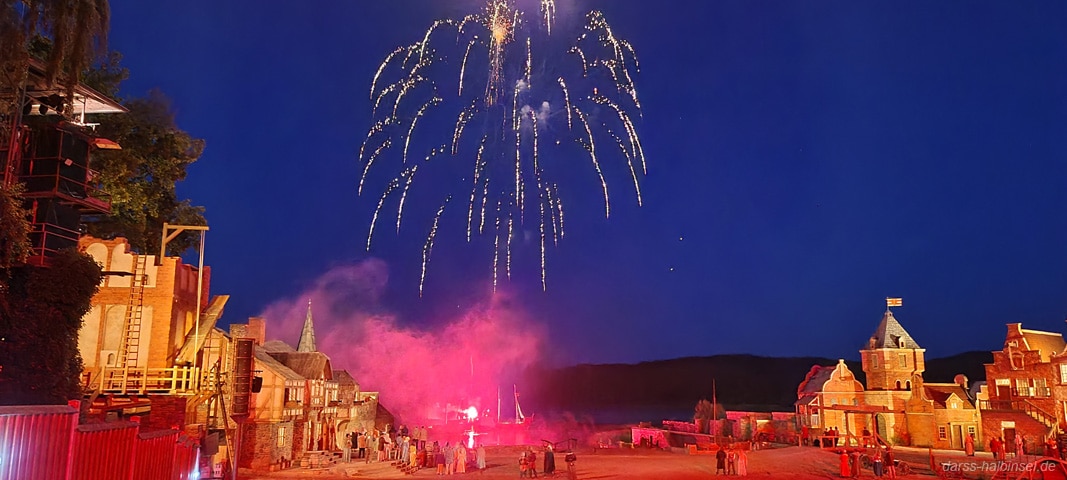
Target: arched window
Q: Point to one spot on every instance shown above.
(898, 384)
(907, 385)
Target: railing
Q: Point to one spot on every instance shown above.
(143, 381)
(48, 238)
(1035, 412)
(52, 177)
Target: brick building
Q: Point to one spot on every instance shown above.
(1025, 392)
(138, 341)
(303, 408)
(897, 405)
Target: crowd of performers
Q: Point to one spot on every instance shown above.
(731, 460)
(413, 449)
(528, 462)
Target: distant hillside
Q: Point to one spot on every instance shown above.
(741, 381)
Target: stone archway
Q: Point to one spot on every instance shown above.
(880, 426)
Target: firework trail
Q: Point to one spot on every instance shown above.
(502, 97)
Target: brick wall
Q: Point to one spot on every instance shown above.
(167, 412)
(169, 301)
(993, 425)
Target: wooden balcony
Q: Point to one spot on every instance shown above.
(142, 381)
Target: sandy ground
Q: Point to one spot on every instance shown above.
(787, 462)
(790, 463)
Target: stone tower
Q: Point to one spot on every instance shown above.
(892, 358)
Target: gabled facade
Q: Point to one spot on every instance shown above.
(1020, 386)
(825, 397)
(304, 407)
(896, 405)
(138, 342)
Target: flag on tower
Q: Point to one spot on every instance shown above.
(894, 302)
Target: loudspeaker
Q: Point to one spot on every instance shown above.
(242, 376)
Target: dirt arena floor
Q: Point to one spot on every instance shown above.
(795, 463)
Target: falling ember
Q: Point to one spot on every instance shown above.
(518, 103)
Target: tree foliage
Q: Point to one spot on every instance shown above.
(77, 30)
(43, 310)
(14, 227)
(141, 177)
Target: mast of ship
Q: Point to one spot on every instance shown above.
(714, 407)
(519, 417)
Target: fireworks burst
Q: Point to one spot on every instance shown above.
(514, 95)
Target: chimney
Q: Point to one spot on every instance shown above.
(257, 330)
(961, 380)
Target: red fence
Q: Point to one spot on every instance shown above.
(45, 442)
(35, 441)
(104, 450)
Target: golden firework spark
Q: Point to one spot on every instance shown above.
(495, 73)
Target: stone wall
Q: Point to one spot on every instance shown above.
(266, 445)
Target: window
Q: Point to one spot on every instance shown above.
(971, 430)
(1002, 382)
(281, 436)
(815, 419)
(942, 433)
(1041, 388)
(953, 404)
(1063, 373)
(903, 359)
(1022, 387)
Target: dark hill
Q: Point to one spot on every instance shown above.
(746, 382)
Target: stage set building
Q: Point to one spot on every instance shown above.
(896, 405)
(145, 354)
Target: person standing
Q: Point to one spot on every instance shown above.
(461, 458)
(890, 464)
(439, 458)
(481, 457)
(1019, 446)
(532, 464)
(450, 459)
(720, 462)
(731, 461)
(994, 447)
(550, 461)
(742, 463)
(346, 452)
(361, 445)
(968, 445)
(413, 453)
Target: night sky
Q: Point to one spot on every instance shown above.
(806, 160)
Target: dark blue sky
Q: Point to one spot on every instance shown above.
(806, 160)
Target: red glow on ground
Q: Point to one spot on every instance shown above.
(420, 372)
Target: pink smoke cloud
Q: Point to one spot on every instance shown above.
(460, 361)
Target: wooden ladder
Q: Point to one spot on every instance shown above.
(131, 333)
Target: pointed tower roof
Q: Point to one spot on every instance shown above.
(307, 335)
(890, 334)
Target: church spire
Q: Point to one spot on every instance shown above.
(307, 335)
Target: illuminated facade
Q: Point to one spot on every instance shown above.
(1026, 388)
(896, 405)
